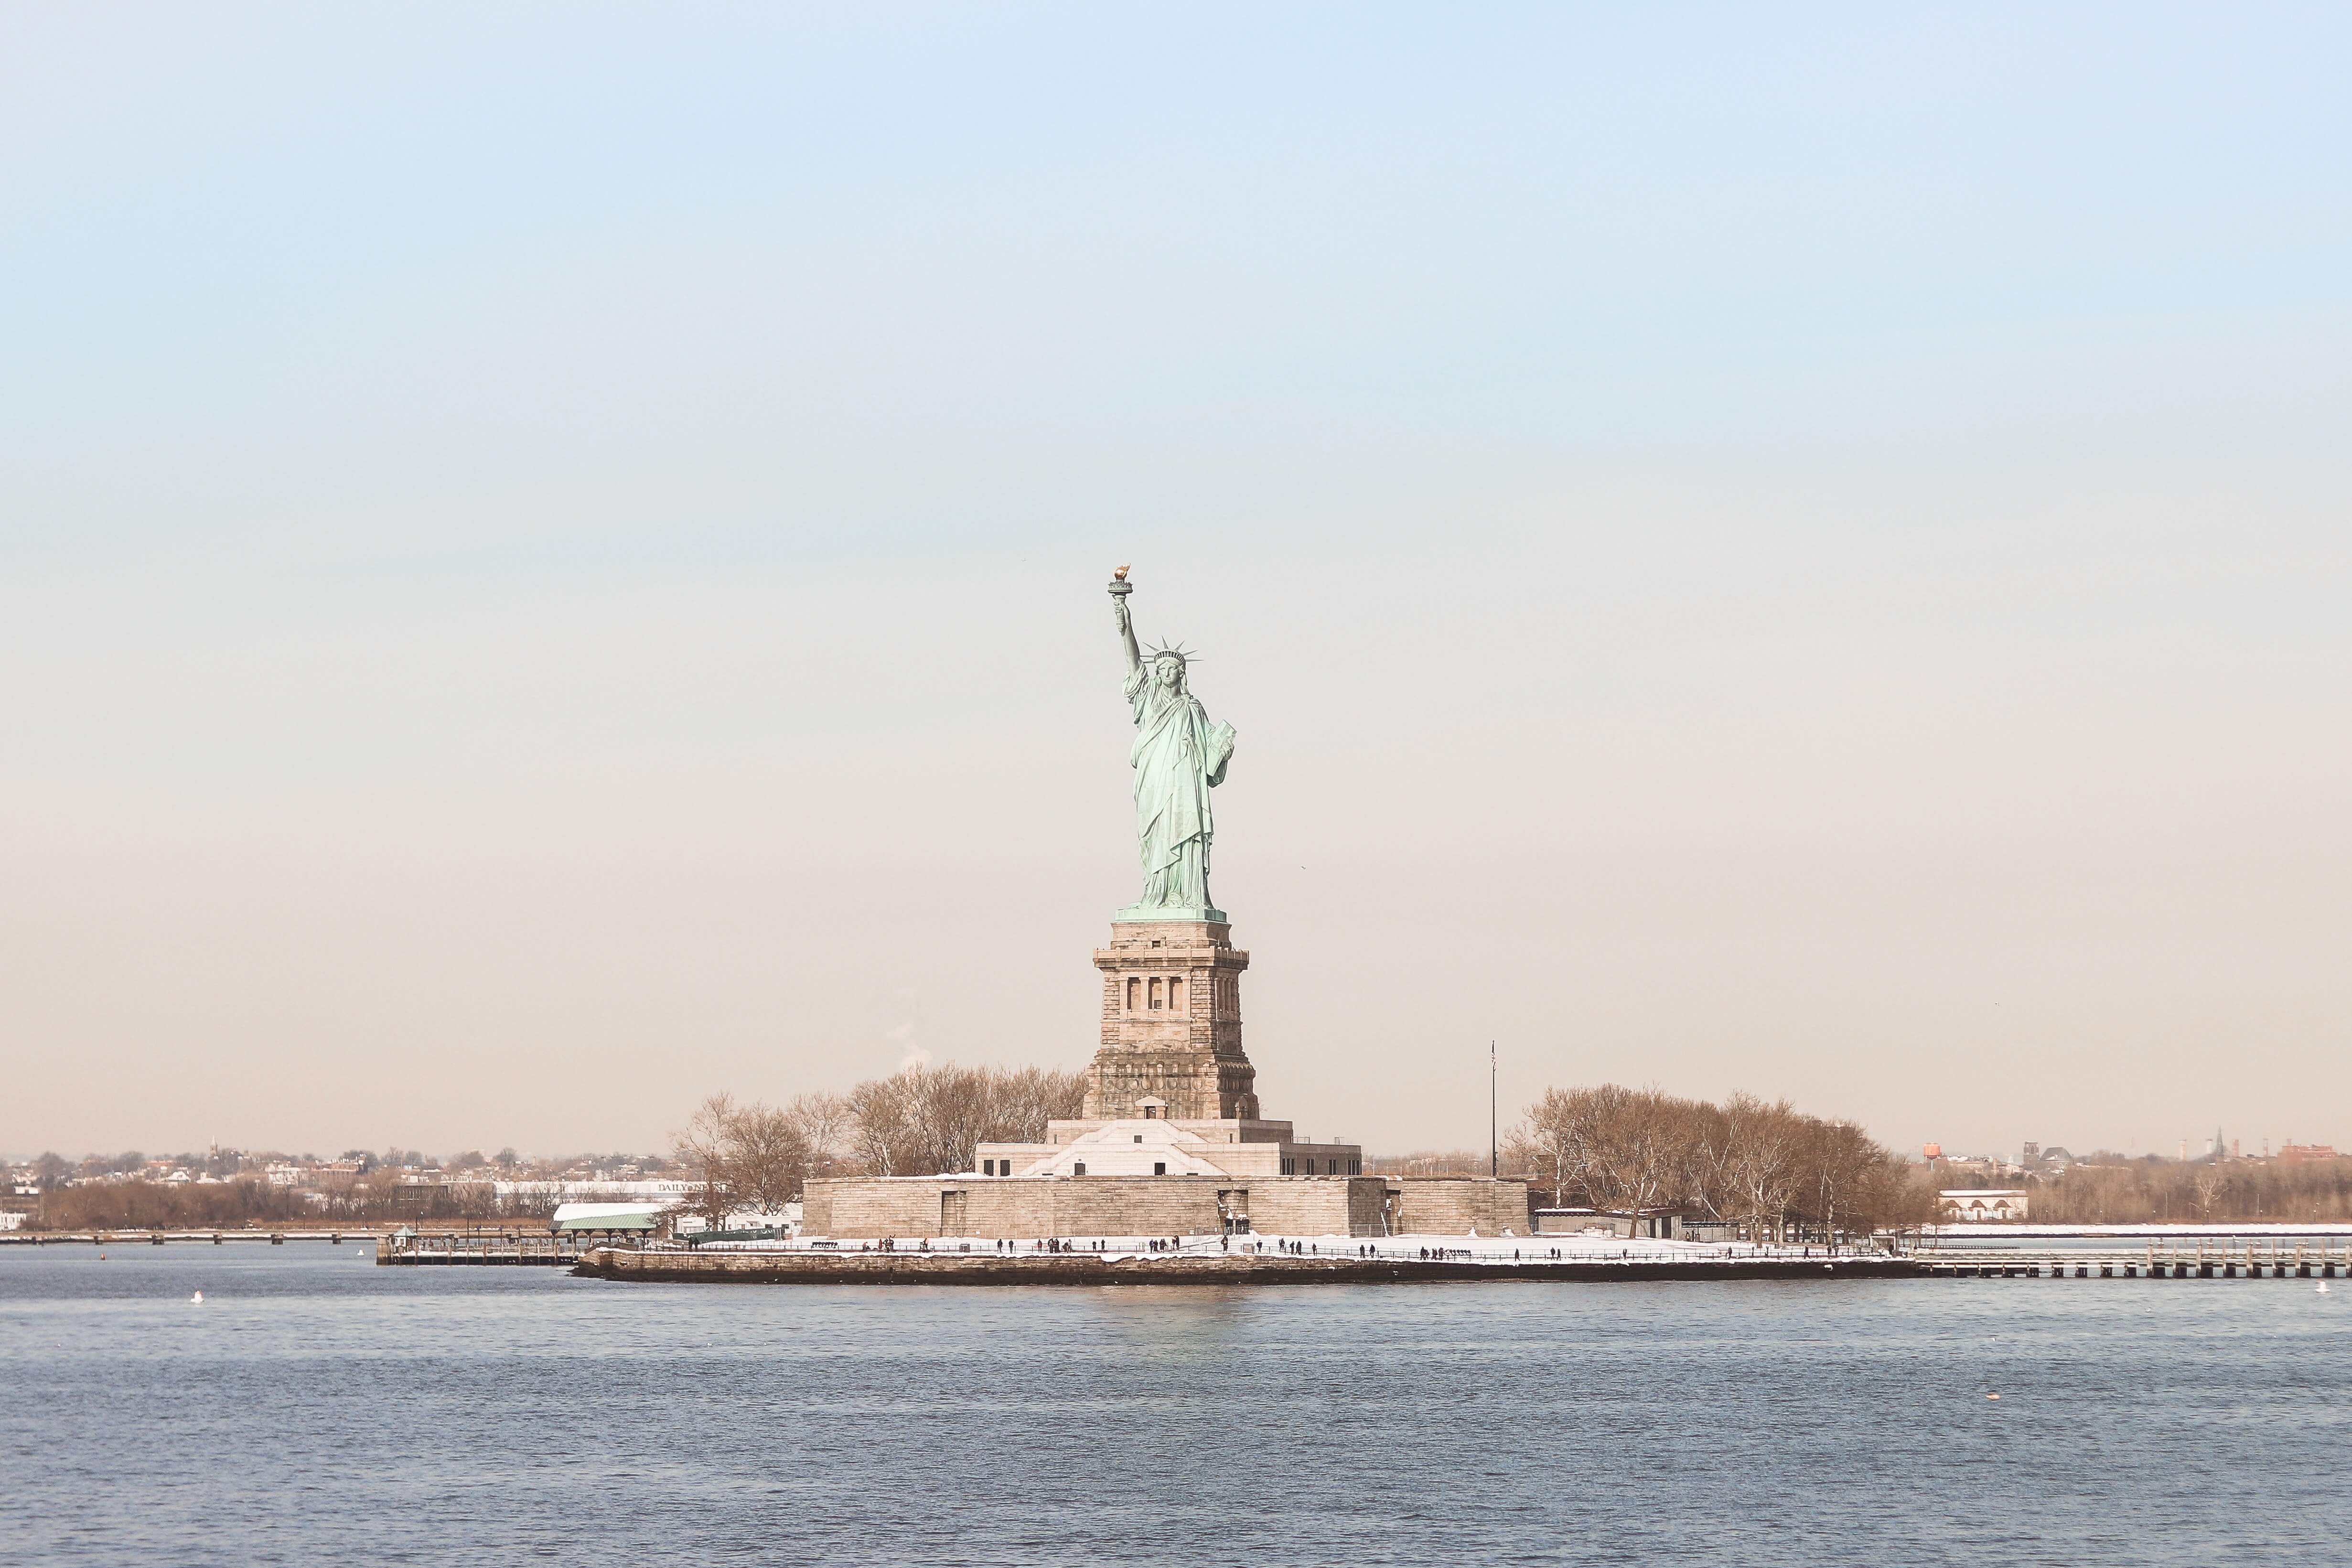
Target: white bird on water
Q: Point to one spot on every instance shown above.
(2323, 1287)
(198, 1298)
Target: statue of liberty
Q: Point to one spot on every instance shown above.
(1177, 757)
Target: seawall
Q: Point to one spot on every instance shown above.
(1187, 1268)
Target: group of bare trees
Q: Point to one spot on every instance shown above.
(1754, 1164)
(922, 1121)
(248, 1200)
(2112, 1190)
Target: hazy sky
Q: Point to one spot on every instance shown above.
(551, 558)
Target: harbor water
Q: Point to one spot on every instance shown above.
(312, 1408)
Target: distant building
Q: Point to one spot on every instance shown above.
(606, 1217)
(589, 1190)
(2292, 1152)
(1931, 1151)
(1663, 1224)
(786, 1219)
(1983, 1205)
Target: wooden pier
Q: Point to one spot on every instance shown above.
(513, 1248)
(2173, 1260)
(138, 1238)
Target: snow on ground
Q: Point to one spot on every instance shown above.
(2239, 1228)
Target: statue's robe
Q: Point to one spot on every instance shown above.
(1177, 757)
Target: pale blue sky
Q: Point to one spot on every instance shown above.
(1816, 536)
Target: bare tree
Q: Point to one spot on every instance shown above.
(920, 1121)
(1028, 1097)
(767, 1158)
(2208, 1183)
(927, 1120)
(2110, 1188)
(1840, 1163)
(1554, 1139)
(1639, 1148)
(881, 1122)
(706, 1146)
(1894, 1193)
(1747, 1162)
(1759, 1161)
(824, 1122)
(953, 1111)
(1710, 1188)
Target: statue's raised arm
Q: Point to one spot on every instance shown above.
(1126, 623)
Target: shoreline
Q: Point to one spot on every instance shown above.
(1189, 1269)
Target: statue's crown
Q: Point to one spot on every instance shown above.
(1176, 651)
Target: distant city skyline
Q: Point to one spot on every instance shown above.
(1825, 524)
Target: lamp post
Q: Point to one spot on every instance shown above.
(1494, 1115)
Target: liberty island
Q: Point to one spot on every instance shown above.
(1172, 1169)
(1171, 1140)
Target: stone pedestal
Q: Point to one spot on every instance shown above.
(1172, 1025)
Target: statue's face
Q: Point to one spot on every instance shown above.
(1170, 673)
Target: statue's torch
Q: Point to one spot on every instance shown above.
(1119, 587)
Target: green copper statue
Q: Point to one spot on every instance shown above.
(1177, 757)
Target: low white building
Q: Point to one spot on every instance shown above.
(593, 1217)
(786, 1220)
(1983, 1205)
